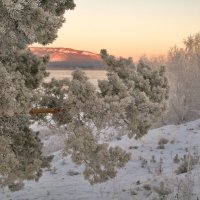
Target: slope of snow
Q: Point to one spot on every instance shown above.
(150, 174)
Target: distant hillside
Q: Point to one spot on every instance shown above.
(66, 58)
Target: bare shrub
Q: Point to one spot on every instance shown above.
(184, 78)
(183, 73)
(162, 190)
(147, 187)
(187, 163)
(73, 173)
(162, 142)
(176, 159)
(184, 188)
(153, 160)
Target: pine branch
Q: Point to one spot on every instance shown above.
(36, 111)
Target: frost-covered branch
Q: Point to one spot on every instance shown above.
(21, 73)
(131, 98)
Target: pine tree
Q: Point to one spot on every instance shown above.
(130, 99)
(21, 24)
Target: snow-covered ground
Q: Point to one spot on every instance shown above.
(150, 174)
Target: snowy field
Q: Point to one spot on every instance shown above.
(151, 173)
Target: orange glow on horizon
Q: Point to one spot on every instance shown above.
(129, 28)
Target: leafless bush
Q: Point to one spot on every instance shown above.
(162, 142)
(162, 190)
(184, 78)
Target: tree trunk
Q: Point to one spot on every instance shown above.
(36, 111)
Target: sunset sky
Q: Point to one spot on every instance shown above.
(130, 27)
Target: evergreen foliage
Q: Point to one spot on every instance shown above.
(21, 24)
(20, 152)
(136, 94)
(131, 98)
